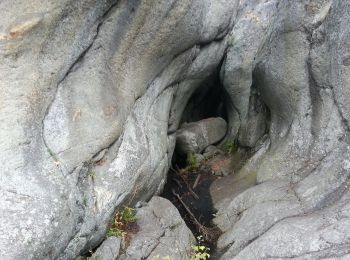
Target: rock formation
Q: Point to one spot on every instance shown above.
(196, 136)
(92, 93)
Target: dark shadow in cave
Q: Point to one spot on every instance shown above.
(189, 190)
(207, 101)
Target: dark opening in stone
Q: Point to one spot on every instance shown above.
(207, 101)
(200, 178)
(189, 189)
(189, 192)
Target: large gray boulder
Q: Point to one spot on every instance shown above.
(194, 137)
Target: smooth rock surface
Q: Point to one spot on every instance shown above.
(163, 233)
(194, 137)
(291, 53)
(93, 92)
(86, 92)
(108, 250)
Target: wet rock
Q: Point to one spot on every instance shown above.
(196, 136)
(224, 189)
(318, 235)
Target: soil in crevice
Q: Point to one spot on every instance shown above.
(189, 192)
(193, 192)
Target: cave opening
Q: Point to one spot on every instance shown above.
(189, 178)
(207, 101)
(193, 177)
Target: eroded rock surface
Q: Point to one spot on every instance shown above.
(163, 233)
(86, 92)
(291, 54)
(92, 93)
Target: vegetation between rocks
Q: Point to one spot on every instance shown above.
(191, 162)
(188, 189)
(230, 147)
(123, 220)
(200, 251)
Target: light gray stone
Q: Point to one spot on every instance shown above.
(302, 175)
(254, 126)
(93, 92)
(86, 90)
(108, 250)
(163, 233)
(194, 137)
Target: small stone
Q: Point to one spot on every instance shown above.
(199, 157)
(211, 151)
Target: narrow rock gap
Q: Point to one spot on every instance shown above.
(195, 175)
(189, 189)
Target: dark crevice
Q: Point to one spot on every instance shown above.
(207, 101)
(189, 192)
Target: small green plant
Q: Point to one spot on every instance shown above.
(192, 162)
(199, 251)
(128, 215)
(123, 217)
(115, 232)
(53, 156)
(92, 174)
(230, 147)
